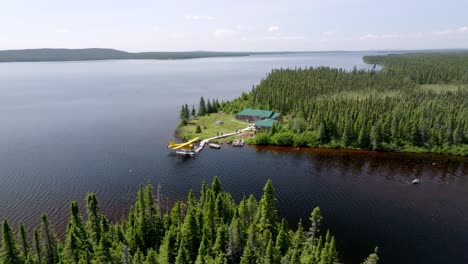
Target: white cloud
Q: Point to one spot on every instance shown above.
(62, 30)
(191, 17)
(369, 36)
(224, 33)
(284, 38)
(273, 28)
(379, 36)
(156, 28)
(329, 33)
(463, 29)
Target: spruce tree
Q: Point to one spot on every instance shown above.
(24, 244)
(9, 253)
(373, 258)
(93, 224)
(202, 107)
(49, 242)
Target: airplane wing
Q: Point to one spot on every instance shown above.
(182, 145)
(193, 140)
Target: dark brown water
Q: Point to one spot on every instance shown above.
(70, 128)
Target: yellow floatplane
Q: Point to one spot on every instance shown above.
(183, 148)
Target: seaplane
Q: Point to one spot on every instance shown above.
(184, 149)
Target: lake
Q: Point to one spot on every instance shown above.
(68, 128)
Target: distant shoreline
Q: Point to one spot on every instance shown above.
(57, 55)
(99, 54)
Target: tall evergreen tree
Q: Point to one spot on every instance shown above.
(24, 244)
(202, 107)
(9, 253)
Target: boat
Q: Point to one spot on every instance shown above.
(214, 145)
(415, 181)
(236, 143)
(241, 143)
(185, 152)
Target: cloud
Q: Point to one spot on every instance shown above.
(463, 29)
(329, 33)
(62, 30)
(447, 32)
(224, 33)
(284, 38)
(191, 17)
(273, 28)
(379, 36)
(156, 28)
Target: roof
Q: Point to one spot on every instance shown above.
(275, 115)
(265, 123)
(256, 113)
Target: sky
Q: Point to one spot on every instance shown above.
(239, 25)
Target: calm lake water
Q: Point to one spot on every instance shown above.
(68, 128)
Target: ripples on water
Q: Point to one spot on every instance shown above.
(72, 128)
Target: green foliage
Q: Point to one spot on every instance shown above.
(440, 68)
(198, 129)
(9, 253)
(373, 258)
(368, 109)
(202, 107)
(211, 229)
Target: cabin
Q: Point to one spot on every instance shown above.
(253, 115)
(264, 124)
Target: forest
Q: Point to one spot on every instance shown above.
(210, 229)
(34, 55)
(415, 103)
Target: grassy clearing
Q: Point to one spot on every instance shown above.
(442, 88)
(209, 128)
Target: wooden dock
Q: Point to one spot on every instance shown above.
(205, 141)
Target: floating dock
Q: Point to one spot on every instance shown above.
(205, 141)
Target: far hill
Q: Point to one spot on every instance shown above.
(32, 55)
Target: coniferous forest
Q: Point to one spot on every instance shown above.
(416, 102)
(210, 229)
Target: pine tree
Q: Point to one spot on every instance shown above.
(93, 224)
(209, 107)
(272, 255)
(282, 239)
(193, 112)
(24, 244)
(373, 258)
(316, 220)
(76, 242)
(183, 256)
(9, 253)
(216, 186)
(37, 246)
(202, 107)
(267, 216)
(191, 234)
(49, 242)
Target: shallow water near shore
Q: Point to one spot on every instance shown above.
(68, 128)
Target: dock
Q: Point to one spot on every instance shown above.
(205, 141)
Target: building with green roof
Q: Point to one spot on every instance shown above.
(264, 124)
(252, 115)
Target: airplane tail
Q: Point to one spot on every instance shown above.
(171, 143)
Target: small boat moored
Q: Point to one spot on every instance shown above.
(415, 181)
(214, 145)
